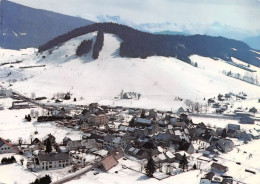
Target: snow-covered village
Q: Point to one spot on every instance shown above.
(92, 97)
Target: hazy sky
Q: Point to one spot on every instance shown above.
(243, 14)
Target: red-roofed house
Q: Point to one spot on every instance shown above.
(6, 147)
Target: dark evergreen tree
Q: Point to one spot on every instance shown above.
(132, 122)
(194, 166)
(150, 167)
(98, 44)
(143, 114)
(44, 180)
(84, 47)
(183, 163)
(29, 117)
(48, 146)
(224, 133)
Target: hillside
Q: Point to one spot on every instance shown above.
(158, 79)
(254, 42)
(140, 44)
(23, 27)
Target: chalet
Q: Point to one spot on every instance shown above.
(215, 167)
(143, 122)
(232, 133)
(41, 98)
(224, 145)
(163, 138)
(179, 155)
(118, 142)
(253, 110)
(173, 120)
(152, 114)
(184, 117)
(219, 131)
(107, 163)
(233, 126)
(122, 128)
(6, 93)
(65, 141)
(51, 137)
(138, 153)
(133, 112)
(84, 115)
(39, 145)
(254, 134)
(101, 153)
(75, 145)
(108, 141)
(170, 156)
(207, 178)
(98, 119)
(117, 153)
(53, 160)
(180, 110)
(93, 106)
(161, 158)
(211, 100)
(85, 126)
(245, 118)
(140, 132)
(20, 104)
(216, 105)
(188, 147)
(244, 136)
(6, 147)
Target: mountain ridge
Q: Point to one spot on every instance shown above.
(141, 44)
(23, 27)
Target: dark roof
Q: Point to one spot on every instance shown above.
(186, 146)
(35, 141)
(149, 145)
(53, 156)
(218, 166)
(117, 153)
(209, 175)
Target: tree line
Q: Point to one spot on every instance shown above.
(137, 44)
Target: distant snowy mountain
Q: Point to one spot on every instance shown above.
(23, 27)
(215, 29)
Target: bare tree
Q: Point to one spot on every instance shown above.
(31, 138)
(32, 113)
(20, 141)
(33, 95)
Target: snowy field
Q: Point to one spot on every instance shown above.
(13, 126)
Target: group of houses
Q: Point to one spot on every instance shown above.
(109, 135)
